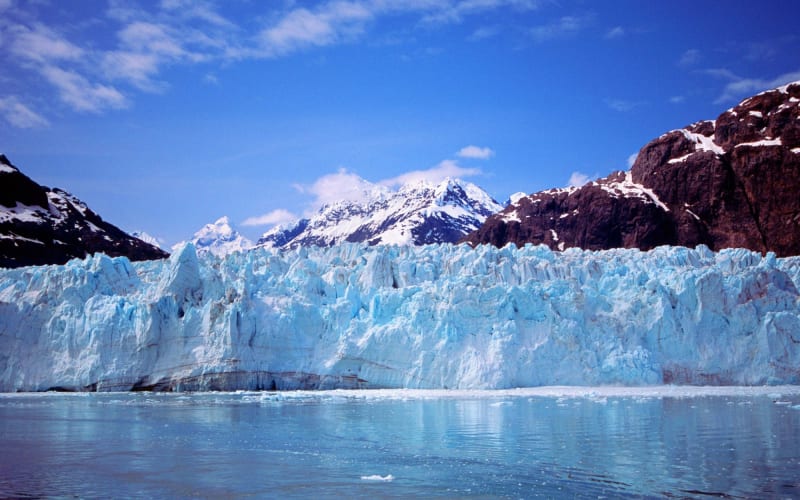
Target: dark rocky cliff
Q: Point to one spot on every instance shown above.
(731, 182)
(39, 225)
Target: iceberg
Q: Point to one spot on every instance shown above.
(428, 317)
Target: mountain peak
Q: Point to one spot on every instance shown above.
(418, 212)
(39, 225)
(729, 182)
(219, 238)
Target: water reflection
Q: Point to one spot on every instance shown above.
(224, 445)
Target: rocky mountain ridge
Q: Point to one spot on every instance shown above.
(417, 214)
(729, 182)
(39, 225)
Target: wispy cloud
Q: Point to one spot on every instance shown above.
(148, 38)
(615, 32)
(445, 11)
(622, 105)
(344, 185)
(689, 58)
(41, 44)
(211, 79)
(145, 47)
(197, 9)
(561, 28)
(19, 115)
(632, 159)
(81, 94)
(677, 99)
(739, 87)
(302, 28)
(485, 32)
(475, 152)
(445, 169)
(278, 216)
(577, 179)
(340, 186)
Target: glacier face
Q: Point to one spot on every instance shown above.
(438, 316)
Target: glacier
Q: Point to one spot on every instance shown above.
(428, 317)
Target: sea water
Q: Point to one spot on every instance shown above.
(549, 442)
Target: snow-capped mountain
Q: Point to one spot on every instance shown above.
(729, 182)
(147, 238)
(218, 238)
(417, 214)
(39, 225)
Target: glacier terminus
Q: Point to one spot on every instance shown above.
(435, 316)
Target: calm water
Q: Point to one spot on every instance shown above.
(517, 444)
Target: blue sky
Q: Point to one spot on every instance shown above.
(165, 115)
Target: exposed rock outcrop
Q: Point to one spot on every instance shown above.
(731, 182)
(39, 225)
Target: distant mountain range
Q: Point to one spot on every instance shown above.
(39, 225)
(729, 182)
(416, 214)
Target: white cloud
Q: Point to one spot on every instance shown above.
(445, 11)
(93, 77)
(42, 44)
(344, 185)
(278, 216)
(475, 152)
(615, 32)
(689, 58)
(340, 21)
(677, 99)
(19, 115)
(577, 179)
(82, 95)
(564, 27)
(632, 159)
(151, 38)
(136, 68)
(302, 28)
(146, 47)
(485, 32)
(211, 79)
(722, 73)
(741, 87)
(197, 10)
(341, 186)
(622, 105)
(445, 169)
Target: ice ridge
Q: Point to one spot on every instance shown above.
(436, 316)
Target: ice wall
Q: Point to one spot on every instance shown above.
(439, 316)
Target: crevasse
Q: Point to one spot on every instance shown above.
(437, 316)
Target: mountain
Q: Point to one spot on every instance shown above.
(39, 225)
(432, 316)
(147, 238)
(730, 182)
(219, 239)
(418, 213)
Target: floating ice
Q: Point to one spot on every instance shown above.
(375, 477)
(438, 316)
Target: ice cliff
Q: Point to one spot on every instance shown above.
(424, 317)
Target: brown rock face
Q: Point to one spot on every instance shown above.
(732, 182)
(39, 226)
